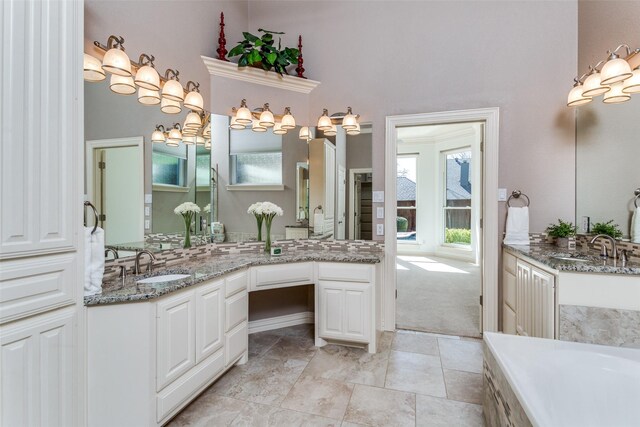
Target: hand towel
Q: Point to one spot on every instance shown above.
(517, 229)
(318, 223)
(635, 226)
(94, 260)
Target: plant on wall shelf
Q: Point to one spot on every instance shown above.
(261, 52)
(561, 229)
(608, 228)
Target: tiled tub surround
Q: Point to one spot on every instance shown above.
(596, 325)
(541, 382)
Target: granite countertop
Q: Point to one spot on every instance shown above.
(202, 269)
(545, 253)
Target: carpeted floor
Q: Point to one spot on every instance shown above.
(438, 295)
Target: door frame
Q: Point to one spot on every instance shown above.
(350, 209)
(489, 216)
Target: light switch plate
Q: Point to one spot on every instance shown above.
(380, 229)
(147, 198)
(585, 223)
(378, 196)
(147, 211)
(502, 194)
(147, 224)
(380, 212)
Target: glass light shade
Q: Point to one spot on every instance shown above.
(324, 123)
(354, 132)
(632, 84)
(148, 78)
(349, 122)
(122, 85)
(172, 90)
(170, 107)
(207, 144)
(192, 121)
(278, 130)
(158, 136)
(92, 69)
(332, 131)
(194, 101)
(189, 140)
(304, 133)
(243, 116)
(593, 87)
(615, 70)
(257, 128)
(174, 138)
(288, 122)
(266, 119)
(148, 96)
(575, 97)
(207, 131)
(117, 62)
(236, 125)
(199, 140)
(616, 95)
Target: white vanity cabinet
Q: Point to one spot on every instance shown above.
(147, 360)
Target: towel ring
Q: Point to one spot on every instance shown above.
(637, 193)
(515, 194)
(95, 214)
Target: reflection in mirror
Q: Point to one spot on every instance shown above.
(607, 168)
(302, 191)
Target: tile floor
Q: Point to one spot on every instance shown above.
(415, 379)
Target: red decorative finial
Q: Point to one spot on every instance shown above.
(300, 68)
(222, 42)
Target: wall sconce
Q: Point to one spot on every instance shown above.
(616, 80)
(147, 77)
(116, 60)
(170, 107)
(158, 135)
(122, 85)
(175, 136)
(148, 96)
(266, 117)
(92, 69)
(261, 119)
(172, 89)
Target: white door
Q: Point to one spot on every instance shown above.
(209, 319)
(176, 338)
(341, 213)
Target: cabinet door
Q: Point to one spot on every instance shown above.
(345, 310)
(209, 319)
(508, 320)
(176, 337)
(523, 290)
(331, 306)
(544, 303)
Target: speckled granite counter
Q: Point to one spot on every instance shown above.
(545, 254)
(206, 268)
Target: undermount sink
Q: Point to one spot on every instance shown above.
(570, 258)
(164, 278)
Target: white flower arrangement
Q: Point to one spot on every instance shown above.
(270, 209)
(254, 209)
(186, 207)
(207, 209)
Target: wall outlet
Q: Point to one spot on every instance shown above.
(147, 224)
(378, 197)
(502, 194)
(586, 224)
(147, 211)
(379, 212)
(380, 229)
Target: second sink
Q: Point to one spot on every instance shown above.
(164, 278)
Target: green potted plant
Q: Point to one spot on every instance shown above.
(608, 228)
(261, 52)
(562, 232)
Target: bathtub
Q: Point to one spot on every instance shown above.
(560, 383)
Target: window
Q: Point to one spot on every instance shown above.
(255, 158)
(406, 195)
(169, 169)
(457, 197)
(203, 167)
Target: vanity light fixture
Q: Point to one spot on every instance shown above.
(189, 140)
(304, 133)
(632, 84)
(92, 69)
(115, 60)
(278, 129)
(122, 85)
(256, 127)
(148, 96)
(243, 115)
(235, 124)
(332, 131)
(192, 121)
(170, 107)
(194, 100)
(175, 136)
(147, 77)
(172, 89)
(266, 117)
(576, 95)
(354, 132)
(616, 69)
(349, 121)
(288, 122)
(324, 122)
(616, 95)
(158, 135)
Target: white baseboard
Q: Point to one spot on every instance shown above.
(281, 322)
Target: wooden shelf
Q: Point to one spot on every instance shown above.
(258, 76)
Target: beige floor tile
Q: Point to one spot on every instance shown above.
(437, 412)
(261, 342)
(232, 377)
(348, 424)
(415, 373)
(305, 330)
(379, 407)
(385, 340)
(209, 410)
(347, 364)
(319, 396)
(461, 355)
(416, 343)
(463, 386)
(256, 415)
(291, 347)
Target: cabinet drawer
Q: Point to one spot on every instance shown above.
(182, 389)
(509, 288)
(281, 275)
(236, 283)
(236, 343)
(236, 310)
(508, 320)
(509, 262)
(345, 272)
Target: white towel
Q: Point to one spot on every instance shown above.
(318, 223)
(94, 260)
(635, 226)
(517, 229)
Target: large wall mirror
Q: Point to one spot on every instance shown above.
(607, 163)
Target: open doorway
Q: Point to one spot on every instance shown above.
(438, 235)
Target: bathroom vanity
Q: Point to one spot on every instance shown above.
(152, 348)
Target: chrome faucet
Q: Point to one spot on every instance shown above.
(603, 251)
(152, 258)
(113, 250)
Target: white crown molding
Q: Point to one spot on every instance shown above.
(258, 76)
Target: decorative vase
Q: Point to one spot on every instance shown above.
(566, 242)
(267, 243)
(259, 220)
(187, 231)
